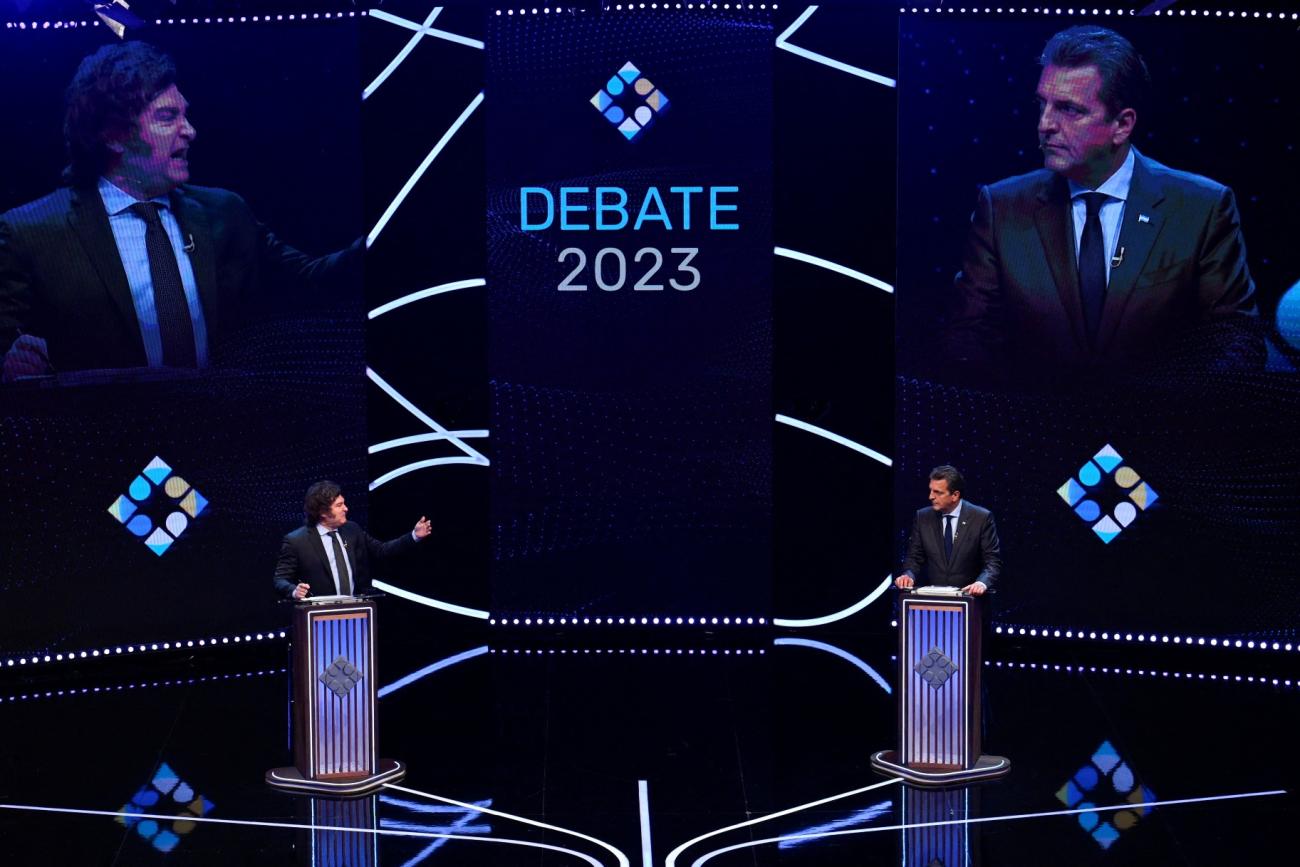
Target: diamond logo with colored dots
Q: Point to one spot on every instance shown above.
(1106, 779)
(158, 506)
(166, 795)
(1107, 494)
(630, 101)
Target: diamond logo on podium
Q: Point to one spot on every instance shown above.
(158, 506)
(630, 101)
(341, 677)
(935, 668)
(1107, 494)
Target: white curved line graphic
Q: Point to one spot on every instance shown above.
(781, 42)
(838, 615)
(834, 437)
(423, 416)
(833, 266)
(837, 651)
(622, 859)
(430, 669)
(300, 827)
(429, 601)
(427, 31)
(671, 860)
(401, 55)
(423, 465)
(703, 859)
(425, 293)
(424, 165)
(426, 438)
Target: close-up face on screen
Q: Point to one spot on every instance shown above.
(1094, 265)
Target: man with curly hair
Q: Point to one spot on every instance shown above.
(129, 265)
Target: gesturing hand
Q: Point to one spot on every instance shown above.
(422, 528)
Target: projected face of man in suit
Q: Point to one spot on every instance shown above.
(154, 159)
(1080, 137)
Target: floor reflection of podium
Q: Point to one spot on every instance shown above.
(945, 845)
(341, 832)
(939, 663)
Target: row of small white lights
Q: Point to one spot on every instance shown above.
(546, 10)
(623, 651)
(627, 621)
(242, 19)
(1142, 637)
(1143, 672)
(1168, 13)
(144, 648)
(87, 690)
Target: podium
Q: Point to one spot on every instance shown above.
(334, 703)
(939, 662)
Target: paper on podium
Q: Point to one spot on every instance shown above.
(937, 590)
(317, 600)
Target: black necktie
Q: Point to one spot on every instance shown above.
(947, 536)
(341, 561)
(174, 325)
(1092, 265)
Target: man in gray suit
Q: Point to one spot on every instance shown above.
(1103, 256)
(955, 543)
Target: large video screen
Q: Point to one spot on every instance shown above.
(144, 493)
(1115, 377)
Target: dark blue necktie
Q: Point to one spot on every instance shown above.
(174, 325)
(947, 536)
(1092, 266)
(341, 561)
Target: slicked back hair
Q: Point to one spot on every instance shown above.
(1125, 81)
(949, 474)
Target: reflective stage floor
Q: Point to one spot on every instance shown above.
(705, 750)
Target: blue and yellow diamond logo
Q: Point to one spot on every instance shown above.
(158, 506)
(630, 101)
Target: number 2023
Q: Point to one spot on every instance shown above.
(601, 267)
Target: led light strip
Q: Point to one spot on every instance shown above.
(92, 690)
(810, 259)
(1095, 11)
(128, 649)
(1144, 672)
(242, 19)
(627, 621)
(633, 7)
(1128, 636)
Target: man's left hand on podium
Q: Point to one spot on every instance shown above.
(976, 589)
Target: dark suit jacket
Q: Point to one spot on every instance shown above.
(61, 277)
(1184, 270)
(303, 559)
(976, 552)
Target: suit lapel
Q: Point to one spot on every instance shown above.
(1055, 230)
(89, 221)
(196, 229)
(962, 529)
(1137, 235)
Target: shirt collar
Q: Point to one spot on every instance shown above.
(320, 528)
(1117, 185)
(955, 513)
(116, 200)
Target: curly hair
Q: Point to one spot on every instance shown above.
(320, 497)
(111, 88)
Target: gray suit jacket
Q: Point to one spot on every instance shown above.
(976, 552)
